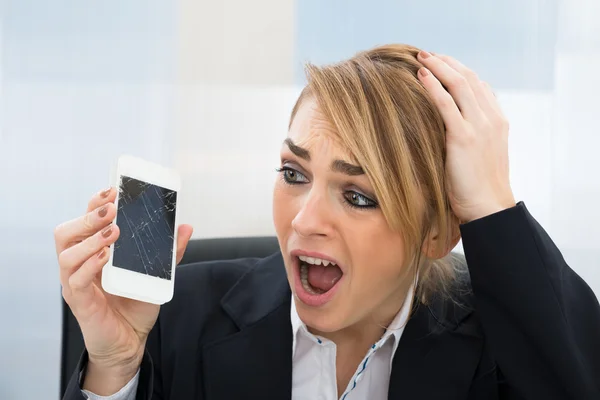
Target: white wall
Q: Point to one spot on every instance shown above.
(235, 42)
(231, 115)
(227, 155)
(80, 84)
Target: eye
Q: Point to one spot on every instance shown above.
(357, 200)
(292, 176)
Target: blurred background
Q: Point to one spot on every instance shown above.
(207, 87)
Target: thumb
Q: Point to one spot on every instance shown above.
(184, 233)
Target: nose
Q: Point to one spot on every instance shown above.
(315, 218)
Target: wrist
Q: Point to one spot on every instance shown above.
(106, 380)
(488, 210)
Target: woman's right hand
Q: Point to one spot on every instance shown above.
(114, 328)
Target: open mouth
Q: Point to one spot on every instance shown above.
(316, 279)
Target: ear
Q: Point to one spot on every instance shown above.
(433, 248)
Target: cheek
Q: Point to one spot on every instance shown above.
(378, 256)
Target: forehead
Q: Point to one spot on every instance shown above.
(311, 128)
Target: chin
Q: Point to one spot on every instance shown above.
(326, 321)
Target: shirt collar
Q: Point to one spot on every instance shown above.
(395, 328)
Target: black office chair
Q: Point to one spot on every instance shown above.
(197, 250)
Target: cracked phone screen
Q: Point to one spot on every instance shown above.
(146, 219)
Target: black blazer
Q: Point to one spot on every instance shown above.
(528, 329)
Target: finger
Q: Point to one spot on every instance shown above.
(73, 257)
(491, 97)
(442, 99)
(184, 233)
(79, 229)
(101, 198)
(457, 85)
(476, 85)
(80, 288)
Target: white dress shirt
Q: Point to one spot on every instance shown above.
(313, 365)
(314, 369)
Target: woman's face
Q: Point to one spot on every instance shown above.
(324, 208)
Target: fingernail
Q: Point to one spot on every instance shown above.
(102, 212)
(107, 231)
(102, 253)
(423, 72)
(105, 193)
(424, 55)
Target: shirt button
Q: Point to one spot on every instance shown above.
(359, 377)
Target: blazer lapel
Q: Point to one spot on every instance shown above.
(438, 354)
(258, 358)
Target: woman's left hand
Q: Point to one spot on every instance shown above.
(476, 138)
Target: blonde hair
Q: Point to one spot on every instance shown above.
(387, 121)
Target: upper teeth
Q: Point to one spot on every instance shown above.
(316, 261)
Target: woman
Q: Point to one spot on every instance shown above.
(382, 172)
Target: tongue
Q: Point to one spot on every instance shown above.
(322, 277)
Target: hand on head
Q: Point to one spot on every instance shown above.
(476, 140)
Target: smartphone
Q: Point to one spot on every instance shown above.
(142, 260)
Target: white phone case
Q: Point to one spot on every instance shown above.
(145, 273)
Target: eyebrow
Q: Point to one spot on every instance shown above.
(346, 168)
(341, 166)
(297, 150)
